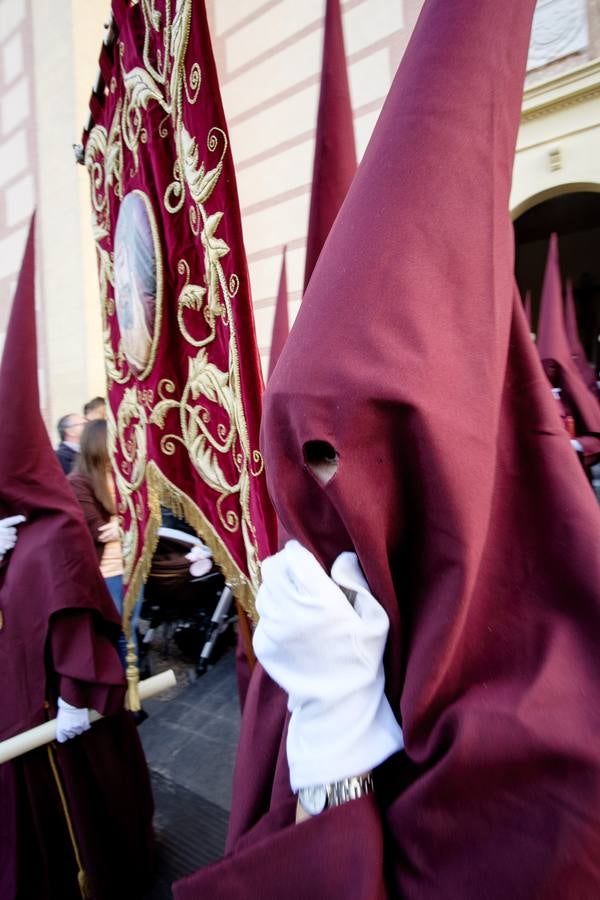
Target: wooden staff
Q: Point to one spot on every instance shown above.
(44, 734)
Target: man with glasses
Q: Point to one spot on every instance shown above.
(69, 430)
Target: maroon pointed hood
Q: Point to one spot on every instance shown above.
(554, 350)
(335, 154)
(411, 361)
(281, 326)
(53, 566)
(28, 465)
(27, 469)
(577, 352)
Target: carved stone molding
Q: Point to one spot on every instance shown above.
(560, 28)
(577, 86)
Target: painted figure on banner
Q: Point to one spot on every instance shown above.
(135, 281)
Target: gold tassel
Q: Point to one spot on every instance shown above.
(84, 885)
(82, 879)
(133, 677)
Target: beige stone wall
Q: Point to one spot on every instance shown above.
(17, 145)
(558, 150)
(66, 44)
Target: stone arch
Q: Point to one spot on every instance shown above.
(555, 190)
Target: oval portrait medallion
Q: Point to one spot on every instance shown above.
(138, 287)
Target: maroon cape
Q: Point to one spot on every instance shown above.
(458, 488)
(59, 628)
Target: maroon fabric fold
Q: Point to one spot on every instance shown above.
(458, 488)
(577, 352)
(528, 312)
(555, 352)
(336, 855)
(335, 154)
(281, 325)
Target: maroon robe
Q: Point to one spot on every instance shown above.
(459, 490)
(58, 638)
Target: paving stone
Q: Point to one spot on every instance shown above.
(190, 740)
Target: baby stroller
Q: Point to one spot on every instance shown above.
(194, 612)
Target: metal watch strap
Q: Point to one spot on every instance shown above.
(349, 789)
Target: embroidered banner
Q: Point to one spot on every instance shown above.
(183, 369)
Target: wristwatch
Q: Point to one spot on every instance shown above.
(317, 797)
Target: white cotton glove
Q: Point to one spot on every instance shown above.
(327, 654)
(70, 721)
(201, 560)
(8, 533)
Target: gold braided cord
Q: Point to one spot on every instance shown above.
(82, 879)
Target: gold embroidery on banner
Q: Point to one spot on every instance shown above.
(206, 415)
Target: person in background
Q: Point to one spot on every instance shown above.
(69, 431)
(93, 485)
(95, 409)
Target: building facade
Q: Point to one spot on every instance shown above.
(268, 55)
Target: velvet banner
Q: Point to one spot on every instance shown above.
(183, 370)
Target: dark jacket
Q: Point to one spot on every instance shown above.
(66, 457)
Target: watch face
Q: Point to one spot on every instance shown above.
(313, 799)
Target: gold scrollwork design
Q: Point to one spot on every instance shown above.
(206, 415)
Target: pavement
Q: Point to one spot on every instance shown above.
(190, 739)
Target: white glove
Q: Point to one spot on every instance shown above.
(577, 445)
(8, 533)
(201, 560)
(327, 654)
(70, 721)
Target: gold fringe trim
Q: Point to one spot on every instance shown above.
(163, 492)
(82, 879)
(137, 580)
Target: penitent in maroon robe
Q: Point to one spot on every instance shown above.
(58, 637)
(457, 486)
(560, 364)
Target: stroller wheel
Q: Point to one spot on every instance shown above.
(201, 667)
